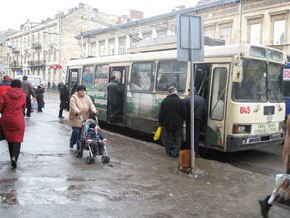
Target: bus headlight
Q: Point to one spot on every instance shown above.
(241, 129)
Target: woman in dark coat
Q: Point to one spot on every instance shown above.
(39, 97)
(64, 100)
(12, 105)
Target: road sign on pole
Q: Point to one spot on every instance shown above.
(190, 39)
(190, 47)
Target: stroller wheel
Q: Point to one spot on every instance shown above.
(105, 159)
(92, 160)
(88, 160)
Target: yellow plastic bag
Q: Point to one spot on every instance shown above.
(158, 133)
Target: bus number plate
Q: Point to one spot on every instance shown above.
(245, 110)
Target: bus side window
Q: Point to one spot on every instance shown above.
(101, 77)
(88, 76)
(171, 73)
(142, 78)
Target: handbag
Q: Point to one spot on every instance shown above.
(34, 105)
(2, 136)
(157, 133)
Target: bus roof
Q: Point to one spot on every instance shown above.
(245, 50)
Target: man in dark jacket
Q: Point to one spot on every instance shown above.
(115, 99)
(170, 117)
(64, 100)
(5, 84)
(27, 88)
(200, 112)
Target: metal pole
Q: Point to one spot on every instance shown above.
(240, 21)
(192, 67)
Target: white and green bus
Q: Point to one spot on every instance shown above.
(241, 83)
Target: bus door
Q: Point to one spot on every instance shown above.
(116, 100)
(201, 84)
(73, 80)
(217, 106)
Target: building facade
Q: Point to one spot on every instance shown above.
(44, 48)
(263, 22)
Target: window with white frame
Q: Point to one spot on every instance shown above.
(147, 35)
(225, 33)
(112, 46)
(255, 33)
(209, 31)
(122, 45)
(278, 32)
(161, 33)
(102, 48)
(93, 49)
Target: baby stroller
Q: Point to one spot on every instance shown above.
(88, 146)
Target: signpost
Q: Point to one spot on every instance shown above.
(190, 47)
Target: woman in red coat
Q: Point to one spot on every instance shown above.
(12, 105)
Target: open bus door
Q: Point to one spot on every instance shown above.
(217, 106)
(73, 80)
(116, 100)
(201, 84)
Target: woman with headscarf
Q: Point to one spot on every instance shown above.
(81, 106)
(12, 105)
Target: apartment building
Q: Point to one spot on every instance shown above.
(263, 22)
(44, 48)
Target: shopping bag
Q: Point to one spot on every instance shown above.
(2, 136)
(281, 192)
(34, 105)
(158, 133)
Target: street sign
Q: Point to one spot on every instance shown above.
(190, 39)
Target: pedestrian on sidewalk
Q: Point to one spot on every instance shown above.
(5, 84)
(171, 118)
(64, 100)
(40, 97)
(200, 112)
(12, 104)
(81, 106)
(266, 203)
(27, 88)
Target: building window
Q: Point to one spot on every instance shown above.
(122, 45)
(147, 35)
(111, 46)
(209, 31)
(279, 32)
(225, 33)
(44, 38)
(255, 34)
(162, 33)
(102, 48)
(93, 47)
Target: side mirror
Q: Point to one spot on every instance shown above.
(238, 71)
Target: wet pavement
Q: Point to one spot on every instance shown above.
(139, 181)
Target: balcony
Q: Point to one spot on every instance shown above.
(36, 63)
(15, 65)
(15, 50)
(36, 46)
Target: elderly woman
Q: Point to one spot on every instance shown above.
(12, 105)
(81, 106)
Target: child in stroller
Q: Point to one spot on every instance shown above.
(94, 141)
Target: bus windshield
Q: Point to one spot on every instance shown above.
(258, 78)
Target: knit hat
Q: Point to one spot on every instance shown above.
(92, 125)
(16, 83)
(81, 87)
(172, 89)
